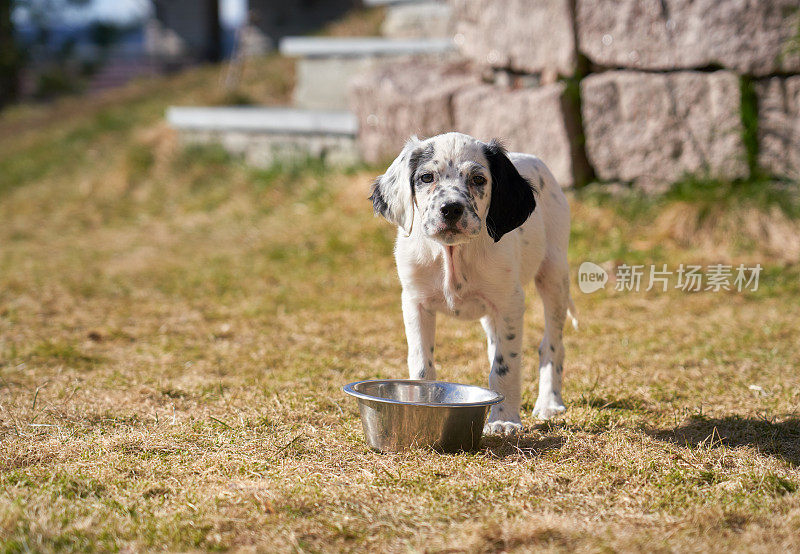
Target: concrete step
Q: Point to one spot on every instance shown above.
(326, 65)
(264, 119)
(264, 136)
(361, 47)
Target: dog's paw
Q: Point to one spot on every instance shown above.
(548, 407)
(500, 427)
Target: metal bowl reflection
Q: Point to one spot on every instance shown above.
(398, 414)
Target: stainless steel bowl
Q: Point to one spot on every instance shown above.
(401, 413)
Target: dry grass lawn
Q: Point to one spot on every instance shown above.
(175, 329)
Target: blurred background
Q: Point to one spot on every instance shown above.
(623, 93)
(60, 46)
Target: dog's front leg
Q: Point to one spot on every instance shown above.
(553, 286)
(504, 335)
(420, 326)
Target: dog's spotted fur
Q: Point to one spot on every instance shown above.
(475, 225)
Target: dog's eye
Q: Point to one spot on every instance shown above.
(479, 180)
(426, 178)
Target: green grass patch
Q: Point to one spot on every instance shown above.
(749, 115)
(55, 352)
(720, 194)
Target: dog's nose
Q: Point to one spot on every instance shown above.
(451, 211)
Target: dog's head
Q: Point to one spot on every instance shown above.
(453, 186)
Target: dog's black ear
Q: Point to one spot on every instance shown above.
(379, 204)
(393, 193)
(512, 200)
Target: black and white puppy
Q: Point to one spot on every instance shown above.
(475, 225)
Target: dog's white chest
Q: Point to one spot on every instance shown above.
(454, 287)
(469, 306)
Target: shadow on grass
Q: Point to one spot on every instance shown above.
(530, 445)
(778, 439)
(520, 445)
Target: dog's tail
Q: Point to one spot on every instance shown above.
(572, 313)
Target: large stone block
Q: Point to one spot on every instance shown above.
(539, 121)
(327, 64)
(751, 37)
(396, 101)
(322, 83)
(656, 128)
(779, 126)
(533, 37)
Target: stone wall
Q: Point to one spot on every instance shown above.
(779, 126)
(634, 91)
(657, 127)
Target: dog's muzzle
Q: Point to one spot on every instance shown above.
(451, 222)
(451, 212)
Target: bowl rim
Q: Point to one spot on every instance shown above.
(350, 389)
